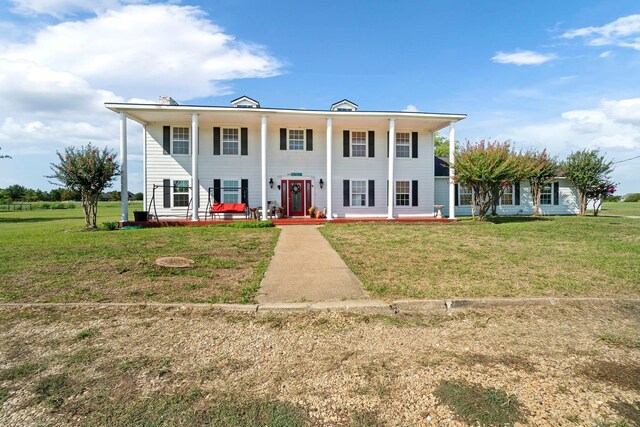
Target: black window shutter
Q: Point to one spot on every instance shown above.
(244, 141)
(516, 191)
(414, 145)
(387, 143)
(372, 192)
(166, 139)
(245, 191)
(414, 193)
(166, 193)
(456, 194)
(372, 143)
(216, 141)
(216, 191)
(283, 138)
(345, 193)
(309, 139)
(556, 193)
(345, 145)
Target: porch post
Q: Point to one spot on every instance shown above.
(329, 169)
(263, 163)
(452, 190)
(144, 167)
(392, 155)
(124, 190)
(195, 187)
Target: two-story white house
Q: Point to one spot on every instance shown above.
(342, 161)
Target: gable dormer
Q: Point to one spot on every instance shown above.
(344, 105)
(245, 102)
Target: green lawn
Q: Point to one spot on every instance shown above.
(46, 256)
(556, 256)
(620, 208)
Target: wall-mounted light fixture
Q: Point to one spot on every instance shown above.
(271, 182)
(321, 182)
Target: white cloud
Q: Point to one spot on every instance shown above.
(145, 50)
(623, 32)
(411, 108)
(606, 54)
(523, 57)
(61, 8)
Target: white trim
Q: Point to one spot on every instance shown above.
(195, 186)
(390, 183)
(452, 191)
(144, 167)
(304, 139)
(263, 164)
(410, 144)
(239, 129)
(173, 193)
(395, 186)
(189, 139)
(366, 193)
(238, 190)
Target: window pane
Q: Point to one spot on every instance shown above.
(180, 140)
(230, 140)
(403, 149)
(507, 196)
(465, 195)
(546, 195)
(402, 193)
(358, 144)
(180, 193)
(358, 193)
(296, 139)
(230, 191)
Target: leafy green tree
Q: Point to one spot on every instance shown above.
(138, 196)
(587, 170)
(15, 192)
(540, 169)
(86, 170)
(486, 168)
(441, 145)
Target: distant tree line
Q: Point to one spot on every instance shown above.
(18, 193)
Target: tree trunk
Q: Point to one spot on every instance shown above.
(582, 202)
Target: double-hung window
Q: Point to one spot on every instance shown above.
(230, 141)
(507, 195)
(230, 191)
(296, 139)
(546, 194)
(358, 144)
(180, 140)
(403, 144)
(403, 193)
(358, 193)
(180, 193)
(465, 195)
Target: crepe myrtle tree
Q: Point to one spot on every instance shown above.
(587, 170)
(539, 169)
(87, 170)
(598, 194)
(486, 168)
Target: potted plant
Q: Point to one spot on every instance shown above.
(312, 212)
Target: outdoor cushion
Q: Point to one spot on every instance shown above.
(229, 208)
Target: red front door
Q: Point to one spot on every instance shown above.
(296, 198)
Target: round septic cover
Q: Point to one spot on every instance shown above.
(174, 261)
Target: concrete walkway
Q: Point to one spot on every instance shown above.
(305, 268)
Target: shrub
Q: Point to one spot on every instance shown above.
(635, 197)
(110, 225)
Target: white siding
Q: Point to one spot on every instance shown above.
(567, 204)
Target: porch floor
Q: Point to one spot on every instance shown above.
(177, 222)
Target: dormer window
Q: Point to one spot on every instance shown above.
(344, 105)
(245, 102)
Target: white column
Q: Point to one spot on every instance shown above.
(452, 189)
(329, 177)
(195, 187)
(263, 164)
(392, 155)
(144, 167)
(124, 189)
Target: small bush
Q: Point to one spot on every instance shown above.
(635, 197)
(110, 225)
(249, 224)
(86, 333)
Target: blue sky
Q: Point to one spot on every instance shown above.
(561, 75)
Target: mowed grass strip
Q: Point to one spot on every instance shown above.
(506, 257)
(45, 256)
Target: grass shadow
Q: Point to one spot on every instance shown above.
(515, 219)
(35, 219)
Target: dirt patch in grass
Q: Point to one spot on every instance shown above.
(475, 404)
(625, 375)
(186, 366)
